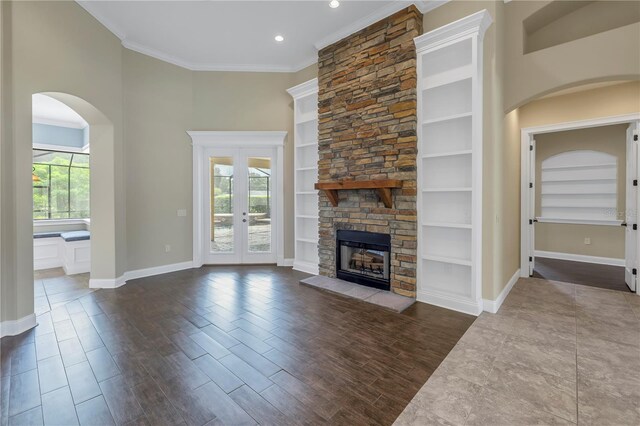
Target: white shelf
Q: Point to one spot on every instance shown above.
(448, 77)
(444, 259)
(448, 154)
(447, 225)
(306, 212)
(447, 118)
(580, 166)
(307, 240)
(579, 221)
(307, 119)
(452, 189)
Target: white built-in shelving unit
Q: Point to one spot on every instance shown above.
(449, 66)
(579, 187)
(305, 98)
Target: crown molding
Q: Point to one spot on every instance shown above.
(424, 6)
(475, 23)
(304, 89)
(229, 138)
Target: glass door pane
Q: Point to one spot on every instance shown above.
(259, 198)
(221, 202)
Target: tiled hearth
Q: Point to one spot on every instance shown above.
(386, 299)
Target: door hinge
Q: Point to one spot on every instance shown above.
(530, 185)
(635, 138)
(635, 226)
(530, 222)
(634, 271)
(531, 146)
(635, 182)
(530, 259)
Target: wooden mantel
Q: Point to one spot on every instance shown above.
(383, 187)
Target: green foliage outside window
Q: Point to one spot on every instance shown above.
(61, 185)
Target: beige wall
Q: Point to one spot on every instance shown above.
(609, 55)
(606, 241)
(57, 47)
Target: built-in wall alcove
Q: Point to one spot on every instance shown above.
(564, 21)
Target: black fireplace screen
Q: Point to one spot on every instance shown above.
(363, 258)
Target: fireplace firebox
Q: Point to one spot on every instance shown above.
(363, 258)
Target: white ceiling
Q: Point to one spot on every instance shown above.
(239, 35)
(46, 110)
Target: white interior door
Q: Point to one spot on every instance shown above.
(240, 206)
(631, 212)
(532, 205)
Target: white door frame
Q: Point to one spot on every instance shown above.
(526, 204)
(203, 140)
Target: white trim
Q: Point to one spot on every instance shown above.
(201, 140)
(286, 262)
(460, 304)
(307, 267)
(475, 23)
(157, 270)
(15, 327)
(580, 221)
(107, 282)
(579, 258)
(526, 137)
(424, 6)
(234, 139)
(492, 306)
(304, 89)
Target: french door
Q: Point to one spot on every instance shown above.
(239, 206)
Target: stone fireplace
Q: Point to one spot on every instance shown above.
(367, 132)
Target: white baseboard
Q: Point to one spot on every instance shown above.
(285, 262)
(459, 304)
(157, 270)
(309, 268)
(13, 327)
(493, 306)
(580, 258)
(107, 282)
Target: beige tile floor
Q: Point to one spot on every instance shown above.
(555, 353)
(52, 288)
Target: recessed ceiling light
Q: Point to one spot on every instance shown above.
(334, 3)
(279, 38)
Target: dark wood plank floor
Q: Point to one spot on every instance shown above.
(222, 345)
(591, 274)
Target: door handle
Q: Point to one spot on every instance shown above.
(244, 220)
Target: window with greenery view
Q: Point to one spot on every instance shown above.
(60, 185)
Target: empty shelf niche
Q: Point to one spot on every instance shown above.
(447, 172)
(305, 179)
(307, 228)
(446, 207)
(452, 243)
(447, 278)
(307, 133)
(307, 156)
(445, 137)
(447, 64)
(307, 251)
(307, 203)
(447, 102)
